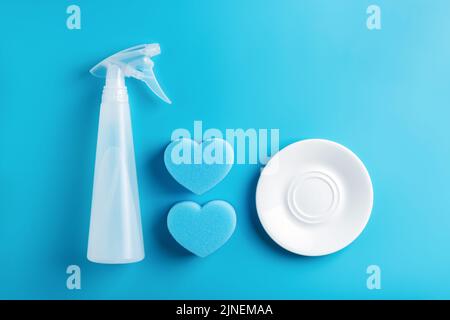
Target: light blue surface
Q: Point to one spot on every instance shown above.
(199, 167)
(201, 229)
(310, 68)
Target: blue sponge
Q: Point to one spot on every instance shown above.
(199, 166)
(202, 230)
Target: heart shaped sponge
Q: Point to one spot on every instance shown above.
(202, 230)
(199, 166)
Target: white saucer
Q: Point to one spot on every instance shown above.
(314, 197)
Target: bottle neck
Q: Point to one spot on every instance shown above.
(115, 94)
(115, 89)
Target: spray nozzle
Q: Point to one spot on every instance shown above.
(134, 62)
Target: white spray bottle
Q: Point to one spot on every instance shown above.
(115, 233)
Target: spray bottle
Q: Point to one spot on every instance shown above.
(115, 233)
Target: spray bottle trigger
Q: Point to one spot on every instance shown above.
(153, 84)
(134, 62)
(142, 69)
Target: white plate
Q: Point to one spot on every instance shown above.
(314, 197)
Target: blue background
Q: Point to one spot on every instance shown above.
(309, 68)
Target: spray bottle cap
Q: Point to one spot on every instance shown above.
(134, 62)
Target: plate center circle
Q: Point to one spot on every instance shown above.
(313, 197)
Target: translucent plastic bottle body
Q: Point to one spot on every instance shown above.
(115, 234)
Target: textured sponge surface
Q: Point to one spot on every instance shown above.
(199, 166)
(202, 230)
